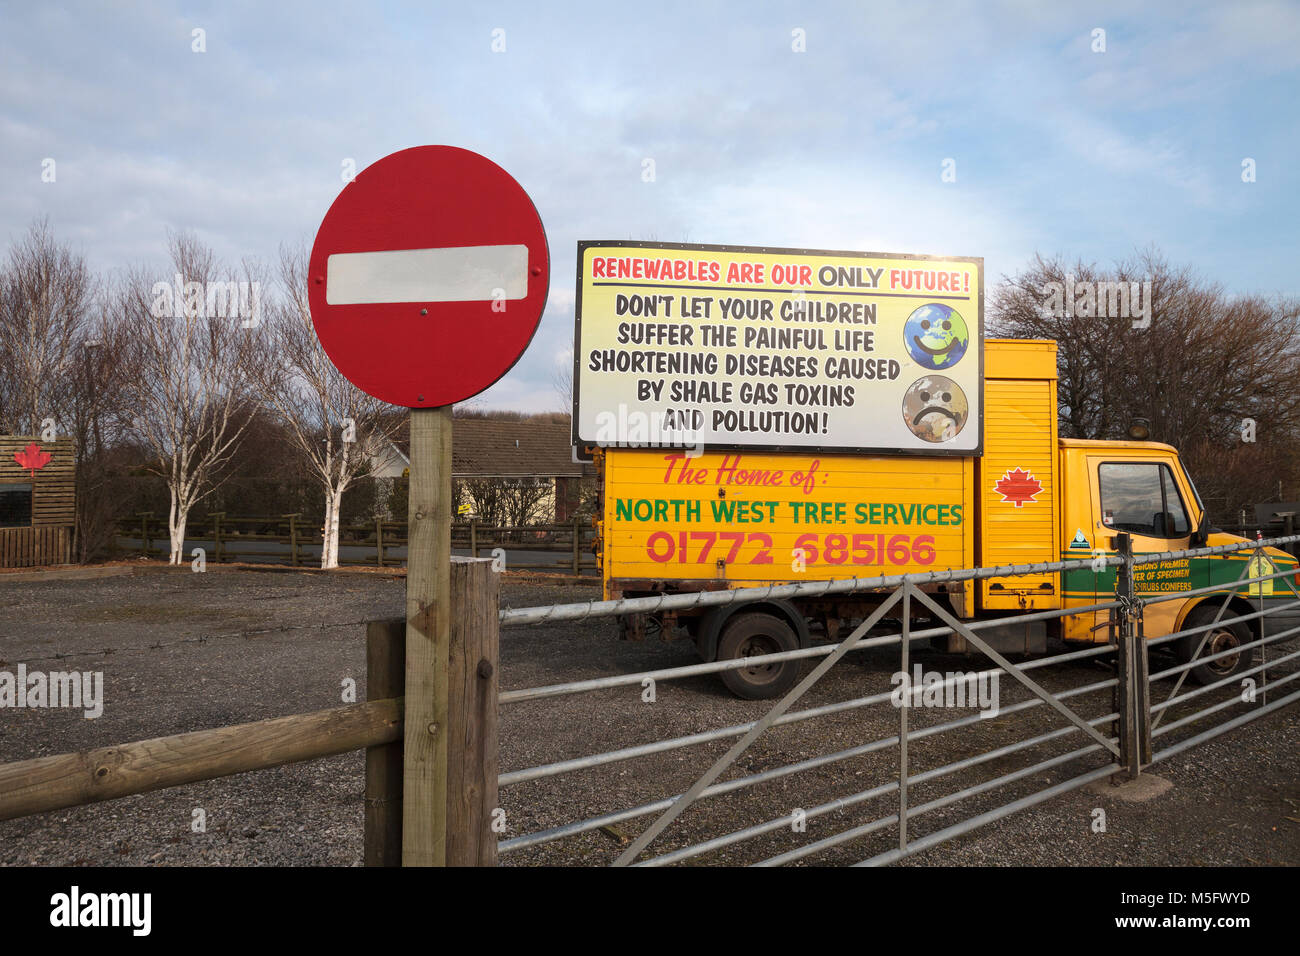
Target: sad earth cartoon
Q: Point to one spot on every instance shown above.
(935, 408)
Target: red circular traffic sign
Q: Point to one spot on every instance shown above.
(428, 276)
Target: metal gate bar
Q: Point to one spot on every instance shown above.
(882, 823)
(844, 802)
(730, 756)
(593, 823)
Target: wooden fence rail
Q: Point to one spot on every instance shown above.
(574, 539)
(70, 780)
(56, 782)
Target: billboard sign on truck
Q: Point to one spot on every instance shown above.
(680, 345)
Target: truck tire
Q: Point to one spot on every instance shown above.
(1220, 638)
(752, 635)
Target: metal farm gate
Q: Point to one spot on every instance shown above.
(1123, 736)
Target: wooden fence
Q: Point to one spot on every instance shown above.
(301, 542)
(51, 783)
(35, 547)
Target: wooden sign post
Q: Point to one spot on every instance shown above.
(427, 281)
(428, 633)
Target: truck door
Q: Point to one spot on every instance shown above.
(1146, 498)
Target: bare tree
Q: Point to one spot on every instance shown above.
(525, 501)
(335, 428)
(562, 382)
(190, 358)
(64, 364)
(46, 296)
(95, 413)
(1206, 362)
(487, 495)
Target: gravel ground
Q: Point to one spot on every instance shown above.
(183, 652)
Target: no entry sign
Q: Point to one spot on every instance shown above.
(428, 276)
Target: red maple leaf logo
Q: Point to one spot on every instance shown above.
(1018, 487)
(32, 458)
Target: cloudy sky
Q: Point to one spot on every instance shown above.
(1056, 148)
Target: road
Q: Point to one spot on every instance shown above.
(271, 552)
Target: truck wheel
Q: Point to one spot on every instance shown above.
(1220, 638)
(752, 635)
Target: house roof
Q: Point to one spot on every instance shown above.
(486, 447)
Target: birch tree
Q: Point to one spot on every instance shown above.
(335, 428)
(190, 358)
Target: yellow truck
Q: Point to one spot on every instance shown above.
(671, 523)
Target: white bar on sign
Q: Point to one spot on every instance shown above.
(454, 274)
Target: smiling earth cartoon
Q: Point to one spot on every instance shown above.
(935, 408)
(936, 336)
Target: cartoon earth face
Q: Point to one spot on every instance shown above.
(935, 408)
(936, 336)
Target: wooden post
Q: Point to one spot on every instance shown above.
(385, 677)
(473, 537)
(216, 517)
(379, 541)
(577, 546)
(428, 617)
(472, 713)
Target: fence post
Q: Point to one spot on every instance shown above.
(1133, 693)
(577, 546)
(144, 530)
(472, 713)
(216, 517)
(385, 678)
(293, 537)
(473, 537)
(379, 541)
